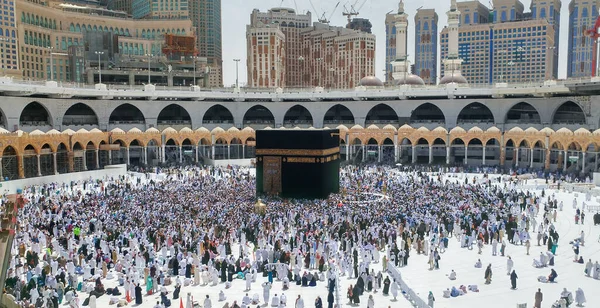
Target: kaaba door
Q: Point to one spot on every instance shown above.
(272, 174)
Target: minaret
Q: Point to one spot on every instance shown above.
(452, 64)
(401, 66)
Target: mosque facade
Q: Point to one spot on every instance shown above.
(50, 130)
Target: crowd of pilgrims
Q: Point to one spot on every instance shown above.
(156, 233)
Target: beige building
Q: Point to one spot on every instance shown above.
(44, 30)
(514, 52)
(337, 57)
(266, 56)
(291, 25)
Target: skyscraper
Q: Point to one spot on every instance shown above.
(390, 45)
(550, 11)
(582, 16)
(206, 18)
(426, 33)
(291, 24)
(8, 38)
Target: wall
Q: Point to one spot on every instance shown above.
(10, 187)
(227, 162)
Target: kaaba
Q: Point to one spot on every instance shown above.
(299, 163)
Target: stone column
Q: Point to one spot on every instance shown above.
(583, 162)
(483, 156)
(110, 157)
(71, 158)
(84, 161)
(127, 153)
(364, 153)
(146, 155)
(531, 159)
(395, 153)
(1, 167)
(228, 151)
(516, 157)
(244, 151)
(97, 159)
(163, 154)
(54, 162)
(212, 152)
(197, 159)
(502, 155)
(547, 160)
(559, 163)
(379, 151)
(565, 161)
(466, 154)
(20, 169)
(39, 165)
(414, 154)
(180, 154)
(347, 151)
(447, 155)
(430, 154)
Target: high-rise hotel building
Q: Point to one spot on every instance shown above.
(9, 58)
(507, 45)
(206, 18)
(280, 41)
(582, 17)
(291, 25)
(426, 45)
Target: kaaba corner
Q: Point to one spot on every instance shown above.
(298, 163)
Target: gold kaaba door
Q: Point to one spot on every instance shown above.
(272, 174)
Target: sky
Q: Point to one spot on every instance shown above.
(236, 15)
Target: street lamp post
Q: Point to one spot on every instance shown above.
(51, 63)
(99, 53)
(331, 69)
(319, 60)
(194, 64)
(301, 59)
(237, 61)
(510, 63)
(149, 60)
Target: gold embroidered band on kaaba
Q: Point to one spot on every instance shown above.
(298, 152)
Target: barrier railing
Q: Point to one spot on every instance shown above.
(409, 293)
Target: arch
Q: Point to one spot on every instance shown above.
(475, 142)
(259, 114)
(381, 114)
(523, 113)
(427, 113)
(173, 115)
(10, 165)
(338, 114)
(475, 113)
(217, 114)
(34, 114)
(80, 114)
(126, 114)
(298, 115)
(439, 142)
(569, 113)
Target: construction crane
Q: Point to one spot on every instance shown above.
(594, 34)
(352, 11)
(324, 19)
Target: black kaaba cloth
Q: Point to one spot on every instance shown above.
(298, 163)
